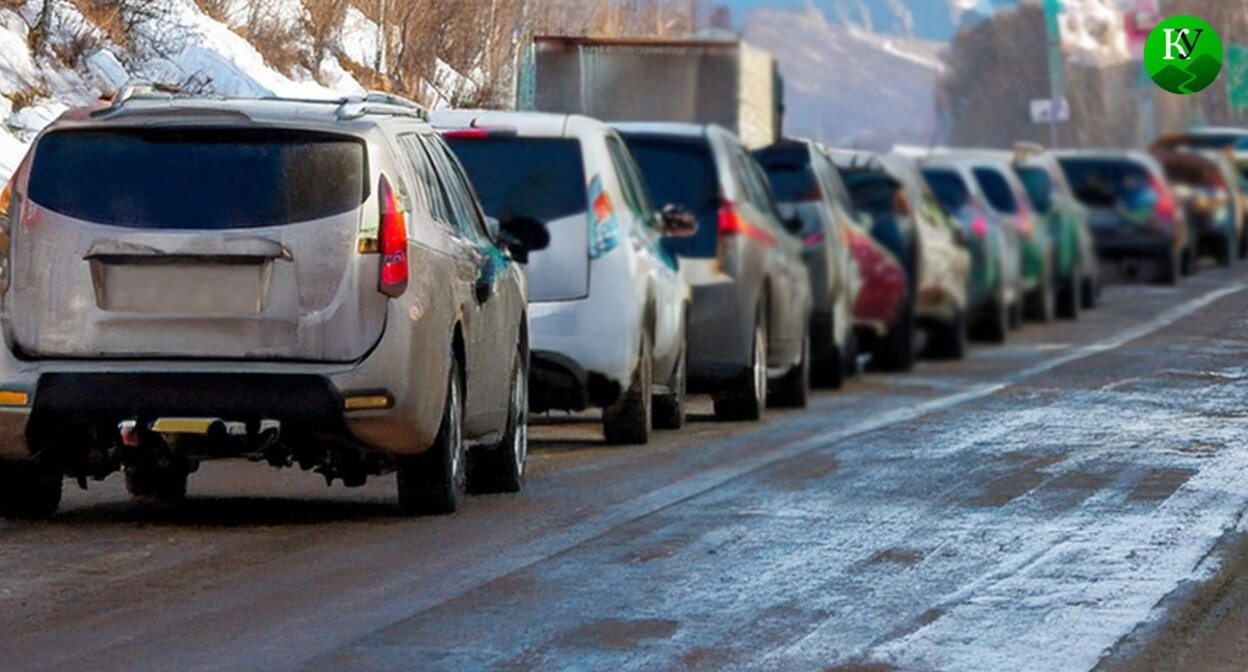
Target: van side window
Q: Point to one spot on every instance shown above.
(630, 181)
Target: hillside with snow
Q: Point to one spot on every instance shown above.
(54, 57)
(847, 86)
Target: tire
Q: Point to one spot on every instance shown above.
(669, 409)
(154, 481)
(1226, 251)
(745, 399)
(895, 352)
(1016, 315)
(1042, 305)
(500, 468)
(435, 482)
(1170, 269)
(1070, 299)
(1089, 293)
(994, 328)
(849, 358)
(29, 491)
(829, 369)
(1243, 242)
(1187, 264)
(628, 421)
(948, 341)
(793, 391)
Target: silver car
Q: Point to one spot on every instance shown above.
(749, 329)
(291, 282)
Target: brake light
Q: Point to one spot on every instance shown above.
(1166, 207)
(1024, 223)
(979, 225)
(466, 134)
(393, 242)
(730, 221)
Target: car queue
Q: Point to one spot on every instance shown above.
(358, 288)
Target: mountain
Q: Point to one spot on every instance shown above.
(847, 86)
(935, 20)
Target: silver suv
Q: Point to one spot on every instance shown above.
(289, 281)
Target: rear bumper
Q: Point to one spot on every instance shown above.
(83, 401)
(1124, 242)
(720, 335)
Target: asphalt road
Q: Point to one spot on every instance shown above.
(1036, 507)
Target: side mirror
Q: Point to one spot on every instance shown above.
(492, 226)
(523, 235)
(677, 222)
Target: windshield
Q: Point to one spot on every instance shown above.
(1039, 186)
(948, 187)
(997, 190)
(792, 177)
(537, 178)
(681, 171)
(1104, 182)
(203, 179)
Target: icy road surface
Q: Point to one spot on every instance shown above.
(1024, 510)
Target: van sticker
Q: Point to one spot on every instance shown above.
(604, 230)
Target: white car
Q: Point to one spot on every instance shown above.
(607, 302)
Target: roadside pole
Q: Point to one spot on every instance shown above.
(1057, 75)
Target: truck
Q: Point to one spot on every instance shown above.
(706, 81)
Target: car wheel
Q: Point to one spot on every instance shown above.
(434, 483)
(747, 397)
(1243, 242)
(628, 421)
(948, 341)
(895, 352)
(829, 370)
(669, 409)
(1089, 293)
(793, 391)
(995, 326)
(849, 359)
(500, 468)
(1070, 300)
(1226, 251)
(1188, 262)
(1041, 305)
(158, 480)
(1170, 269)
(29, 490)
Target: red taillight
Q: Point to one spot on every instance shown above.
(979, 225)
(730, 221)
(466, 134)
(1166, 206)
(393, 242)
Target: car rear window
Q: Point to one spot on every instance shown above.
(948, 187)
(1103, 182)
(198, 179)
(791, 175)
(873, 192)
(681, 171)
(1039, 185)
(538, 178)
(997, 190)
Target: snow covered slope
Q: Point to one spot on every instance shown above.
(847, 86)
(76, 64)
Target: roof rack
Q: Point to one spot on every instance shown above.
(380, 102)
(351, 106)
